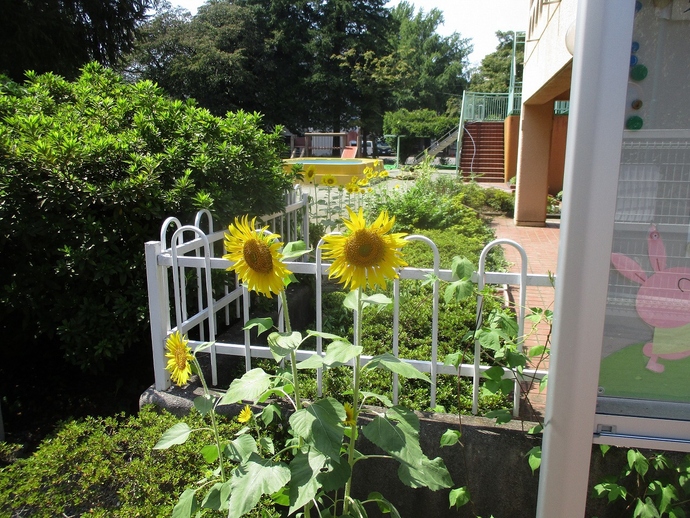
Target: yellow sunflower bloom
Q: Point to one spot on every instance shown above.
(179, 355)
(329, 180)
(256, 258)
(351, 188)
(350, 419)
(310, 173)
(363, 182)
(366, 255)
(245, 414)
(377, 163)
(383, 174)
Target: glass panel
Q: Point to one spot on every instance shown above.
(645, 368)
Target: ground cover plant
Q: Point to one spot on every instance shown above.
(105, 466)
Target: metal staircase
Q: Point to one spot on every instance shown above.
(439, 145)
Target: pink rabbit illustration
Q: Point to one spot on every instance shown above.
(663, 302)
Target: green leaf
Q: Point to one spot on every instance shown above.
(376, 299)
(210, 453)
(366, 395)
(389, 362)
(489, 339)
(384, 505)
(282, 344)
(537, 350)
(304, 484)
(401, 441)
(315, 361)
(534, 458)
(537, 429)
(320, 424)
(204, 404)
(453, 359)
(450, 437)
(385, 434)
(264, 324)
(502, 416)
(251, 480)
(176, 434)
(327, 336)
(336, 475)
(351, 299)
(542, 384)
(495, 373)
(646, 509)
(270, 414)
(294, 249)
(217, 497)
(612, 490)
(638, 462)
(240, 449)
(676, 512)
(462, 268)
(668, 496)
(249, 387)
(459, 497)
(341, 352)
(604, 448)
(458, 290)
(186, 506)
(431, 473)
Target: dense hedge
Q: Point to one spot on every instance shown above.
(88, 171)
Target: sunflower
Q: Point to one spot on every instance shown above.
(310, 173)
(368, 172)
(179, 355)
(329, 180)
(365, 256)
(351, 188)
(350, 419)
(383, 174)
(245, 414)
(363, 182)
(256, 258)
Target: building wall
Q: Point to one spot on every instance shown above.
(545, 50)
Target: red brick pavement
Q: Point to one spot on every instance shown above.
(541, 246)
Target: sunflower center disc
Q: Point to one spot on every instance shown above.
(364, 248)
(180, 357)
(258, 256)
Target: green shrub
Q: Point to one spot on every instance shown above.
(107, 467)
(88, 171)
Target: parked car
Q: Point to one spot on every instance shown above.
(381, 147)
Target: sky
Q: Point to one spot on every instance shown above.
(475, 19)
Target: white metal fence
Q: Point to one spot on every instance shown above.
(168, 262)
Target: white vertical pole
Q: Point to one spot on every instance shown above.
(159, 311)
(595, 129)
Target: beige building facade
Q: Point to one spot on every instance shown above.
(546, 79)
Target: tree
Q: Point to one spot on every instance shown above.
(247, 54)
(438, 63)
(494, 72)
(63, 35)
(352, 29)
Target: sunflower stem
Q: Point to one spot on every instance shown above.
(212, 413)
(355, 401)
(293, 356)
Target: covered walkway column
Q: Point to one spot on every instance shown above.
(533, 164)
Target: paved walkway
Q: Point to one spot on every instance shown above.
(541, 246)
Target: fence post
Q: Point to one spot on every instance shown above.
(159, 312)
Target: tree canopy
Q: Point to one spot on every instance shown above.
(307, 64)
(61, 36)
(493, 74)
